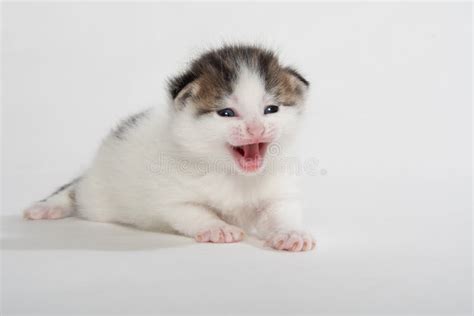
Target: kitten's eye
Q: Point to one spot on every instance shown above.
(226, 112)
(270, 109)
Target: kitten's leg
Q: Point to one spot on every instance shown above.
(202, 224)
(280, 225)
(60, 204)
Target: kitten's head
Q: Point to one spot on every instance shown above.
(233, 102)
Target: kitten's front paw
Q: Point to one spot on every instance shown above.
(222, 234)
(292, 241)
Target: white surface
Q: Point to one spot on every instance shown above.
(390, 123)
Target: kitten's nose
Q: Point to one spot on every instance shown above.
(255, 129)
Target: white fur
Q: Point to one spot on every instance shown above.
(166, 174)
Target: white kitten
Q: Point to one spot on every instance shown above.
(208, 169)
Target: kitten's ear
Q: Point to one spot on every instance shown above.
(293, 87)
(296, 80)
(185, 95)
(181, 88)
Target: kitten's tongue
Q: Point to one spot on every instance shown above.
(251, 151)
(250, 157)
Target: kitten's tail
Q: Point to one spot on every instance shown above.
(59, 204)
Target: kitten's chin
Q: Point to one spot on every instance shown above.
(249, 157)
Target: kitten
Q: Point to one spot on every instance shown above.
(209, 167)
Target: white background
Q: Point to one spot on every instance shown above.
(389, 121)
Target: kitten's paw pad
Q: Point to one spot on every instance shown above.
(292, 241)
(45, 211)
(222, 234)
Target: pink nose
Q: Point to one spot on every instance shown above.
(255, 129)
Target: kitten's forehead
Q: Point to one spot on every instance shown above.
(249, 90)
(243, 71)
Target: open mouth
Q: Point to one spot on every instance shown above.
(249, 157)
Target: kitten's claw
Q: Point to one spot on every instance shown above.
(223, 234)
(292, 241)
